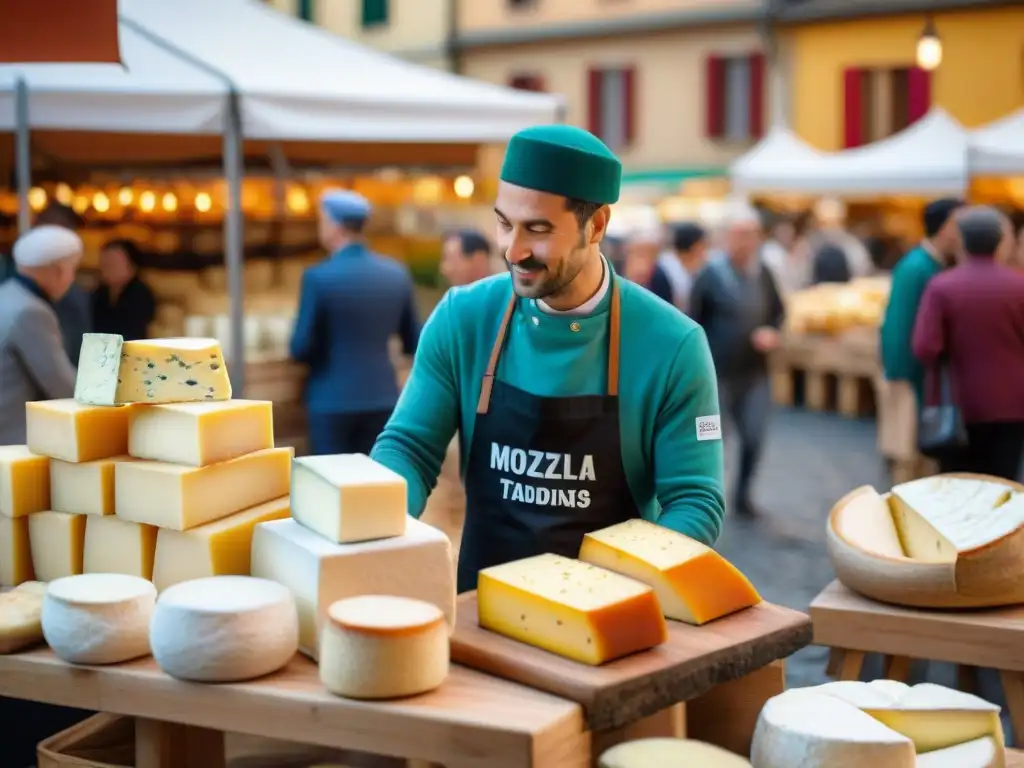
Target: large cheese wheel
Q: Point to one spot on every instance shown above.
(850, 725)
(383, 647)
(98, 618)
(949, 541)
(224, 628)
(669, 753)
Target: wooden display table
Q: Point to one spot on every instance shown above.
(852, 626)
(849, 359)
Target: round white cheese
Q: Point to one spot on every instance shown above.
(383, 647)
(98, 618)
(224, 628)
(669, 753)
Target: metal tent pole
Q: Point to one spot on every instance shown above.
(22, 155)
(234, 255)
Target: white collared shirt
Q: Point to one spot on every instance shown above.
(589, 305)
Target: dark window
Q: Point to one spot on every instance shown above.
(306, 10)
(375, 13)
(527, 82)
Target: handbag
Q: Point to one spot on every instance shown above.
(941, 427)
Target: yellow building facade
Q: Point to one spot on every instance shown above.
(645, 75)
(414, 30)
(980, 78)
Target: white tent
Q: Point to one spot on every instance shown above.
(298, 82)
(997, 149)
(780, 162)
(927, 158)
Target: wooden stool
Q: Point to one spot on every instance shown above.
(851, 626)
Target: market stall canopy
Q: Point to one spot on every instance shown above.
(59, 31)
(997, 149)
(297, 82)
(780, 162)
(927, 158)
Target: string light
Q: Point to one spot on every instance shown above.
(100, 202)
(147, 202)
(203, 202)
(464, 187)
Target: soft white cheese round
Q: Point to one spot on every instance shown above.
(98, 618)
(383, 647)
(224, 628)
(669, 753)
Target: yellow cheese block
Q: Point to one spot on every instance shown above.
(24, 481)
(181, 497)
(348, 498)
(198, 434)
(21, 612)
(115, 372)
(571, 608)
(84, 488)
(694, 583)
(113, 545)
(57, 544)
(220, 548)
(15, 553)
(64, 429)
(669, 753)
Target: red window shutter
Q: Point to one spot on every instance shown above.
(595, 79)
(629, 107)
(853, 107)
(919, 93)
(715, 97)
(756, 108)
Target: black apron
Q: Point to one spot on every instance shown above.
(542, 471)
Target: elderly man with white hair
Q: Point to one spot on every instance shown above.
(736, 300)
(33, 362)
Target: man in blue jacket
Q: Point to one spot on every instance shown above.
(350, 306)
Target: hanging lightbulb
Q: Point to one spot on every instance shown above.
(80, 204)
(464, 187)
(37, 198)
(203, 202)
(147, 202)
(929, 47)
(125, 196)
(297, 200)
(169, 202)
(100, 202)
(63, 194)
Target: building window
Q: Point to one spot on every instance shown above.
(612, 105)
(735, 97)
(305, 10)
(375, 13)
(879, 102)
(527, 83)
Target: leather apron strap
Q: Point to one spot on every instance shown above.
(484, 403)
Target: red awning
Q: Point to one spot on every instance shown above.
(59, 31)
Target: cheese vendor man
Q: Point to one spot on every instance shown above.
(582, 400)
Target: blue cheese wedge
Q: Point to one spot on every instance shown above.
(112, 371)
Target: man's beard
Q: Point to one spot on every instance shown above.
(544, 283)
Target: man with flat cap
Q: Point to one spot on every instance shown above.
(33, 362)
(350, 306)
(582, 400)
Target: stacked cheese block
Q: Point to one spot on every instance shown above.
(882, 724)
(375, 588)
(948, 541)
(834, 308)
(633, 574)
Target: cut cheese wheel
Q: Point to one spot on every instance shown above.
(861, 695)
(24, 481)
(197, 434)
(348, 498)
(83, 488)
(21, 612)
(64, 429)
(15, 552)
(804, 728)
(224, 628)
(113, 545)
(320, 572)
(571, 608)
(383, 647)
(894, 689)
(694, 583)
(98, 618)
(980, 753)
(180, 497)
(112, 371)
(57, 543)
(220, 548)
(669, 753)
(861, 545)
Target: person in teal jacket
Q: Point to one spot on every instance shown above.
(910, 277)
(582, 400)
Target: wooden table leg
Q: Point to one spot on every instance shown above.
(853, 663)
(835, 662)
(726, 715)
(898, 668)
(171, 745)
(1013, 690)
(967, 678)
(669, 723)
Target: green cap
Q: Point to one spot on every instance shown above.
(563, 160)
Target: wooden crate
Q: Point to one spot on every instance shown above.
(838, 373)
